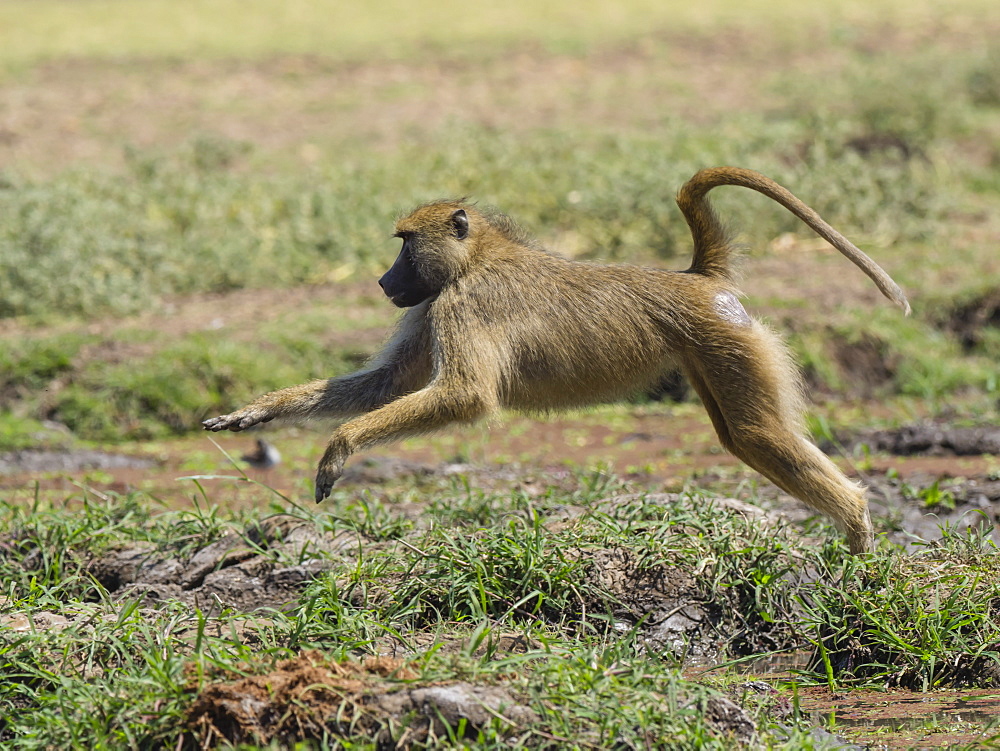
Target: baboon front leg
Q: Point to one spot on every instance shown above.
(294, 401)
(419, 412)
(745, 393)
(335, 397)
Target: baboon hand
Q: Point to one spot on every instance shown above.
(236, 421)
(331, 467)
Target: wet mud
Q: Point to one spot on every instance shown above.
(907, 719)
(927, 476)
(930, 439)
(914, 512)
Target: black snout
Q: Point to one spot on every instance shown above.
(403, 284)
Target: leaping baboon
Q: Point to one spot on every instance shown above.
(495, 321)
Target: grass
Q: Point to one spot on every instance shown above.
(87, 244)
(90, 663)
(921, 622)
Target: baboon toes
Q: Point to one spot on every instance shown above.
(324, 483)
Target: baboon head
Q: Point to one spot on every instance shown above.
(435, 252)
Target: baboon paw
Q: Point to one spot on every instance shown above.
(325, 478)
(214, 423)
(235, 422)
(331, 467)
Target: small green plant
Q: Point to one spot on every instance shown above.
(933, 497)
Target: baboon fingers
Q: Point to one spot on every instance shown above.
(222, 422)
(214, 424)
(235, 421)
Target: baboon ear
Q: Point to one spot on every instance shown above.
(460, 223)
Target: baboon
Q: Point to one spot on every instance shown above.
(495, 321)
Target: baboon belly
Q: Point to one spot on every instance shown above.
(604, 372)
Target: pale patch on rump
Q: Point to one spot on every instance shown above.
(730, 309)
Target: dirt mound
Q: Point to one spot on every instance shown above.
(672, 609)
(243, 571)
(310, 697)
(930, 439)
(666, 600)
(968, 321)
(866, 364)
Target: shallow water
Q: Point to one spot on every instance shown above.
(907, 719)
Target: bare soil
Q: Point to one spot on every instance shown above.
(32, 461)
(246, 572)
(310, 696)
(82, 112)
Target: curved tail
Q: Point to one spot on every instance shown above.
(712, 248)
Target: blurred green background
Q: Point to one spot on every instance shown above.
(195, 197)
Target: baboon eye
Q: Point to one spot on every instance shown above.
(460, 223)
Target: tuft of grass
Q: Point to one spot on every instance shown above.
(918, 622)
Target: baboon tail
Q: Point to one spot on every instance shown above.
(712, 248)
(712, 244)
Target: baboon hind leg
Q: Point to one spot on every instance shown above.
(752, 397)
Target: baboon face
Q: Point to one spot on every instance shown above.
(403, 283)
(432, 254)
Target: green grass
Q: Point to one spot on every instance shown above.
(88, 243)
(919, 622)
(103, 669)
